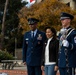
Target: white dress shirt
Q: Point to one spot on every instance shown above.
(33, 32)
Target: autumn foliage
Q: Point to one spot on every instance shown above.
(47, 11)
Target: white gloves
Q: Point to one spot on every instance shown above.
(65, 43)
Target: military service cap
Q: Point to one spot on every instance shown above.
(65, 15)
(32, 21)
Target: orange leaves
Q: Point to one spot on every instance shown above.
(47, 11)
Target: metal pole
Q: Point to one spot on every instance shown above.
(15, 47)
(3, 24)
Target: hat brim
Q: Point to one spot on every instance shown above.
(32, 21)
(62, 18)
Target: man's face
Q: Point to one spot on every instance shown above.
(65, 22)
(33, 27)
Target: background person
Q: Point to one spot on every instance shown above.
(50, 52)
(32, 48)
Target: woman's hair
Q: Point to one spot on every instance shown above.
(53, 31)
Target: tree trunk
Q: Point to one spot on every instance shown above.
(3, 25)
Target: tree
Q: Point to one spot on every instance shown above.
(11, 21)
(3, 24)
(47, 11)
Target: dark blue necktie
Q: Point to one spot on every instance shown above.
(32, 34)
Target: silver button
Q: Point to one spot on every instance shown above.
(58, 59)
(31, 47)
(59, 52)
(31, 51)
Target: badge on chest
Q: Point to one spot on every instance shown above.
(39, 37)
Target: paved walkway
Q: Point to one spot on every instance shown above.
(16, 72)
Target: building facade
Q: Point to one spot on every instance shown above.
(70, 3)
(39, 1)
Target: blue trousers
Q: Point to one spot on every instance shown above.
(63, 71)
(34, 70)
(49, 70)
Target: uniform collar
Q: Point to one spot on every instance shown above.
(68, 27)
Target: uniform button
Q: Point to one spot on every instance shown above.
(31, 51)
(66, 59)
(32, 43)
(59, 52)
(58, 59)
(31, 47)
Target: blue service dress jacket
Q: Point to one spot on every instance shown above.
(32, 48)
(71, 38)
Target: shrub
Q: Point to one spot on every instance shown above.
(5, 56)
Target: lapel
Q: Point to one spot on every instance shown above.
(45, 43)
(30, 37)
(49, 42)
(52, 40)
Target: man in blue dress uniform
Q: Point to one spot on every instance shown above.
(67, 52)
(32, 48)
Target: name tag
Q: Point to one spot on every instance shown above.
(26, 39)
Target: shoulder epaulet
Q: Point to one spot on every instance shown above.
(70, 32)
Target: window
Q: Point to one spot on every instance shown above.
(68, 4)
